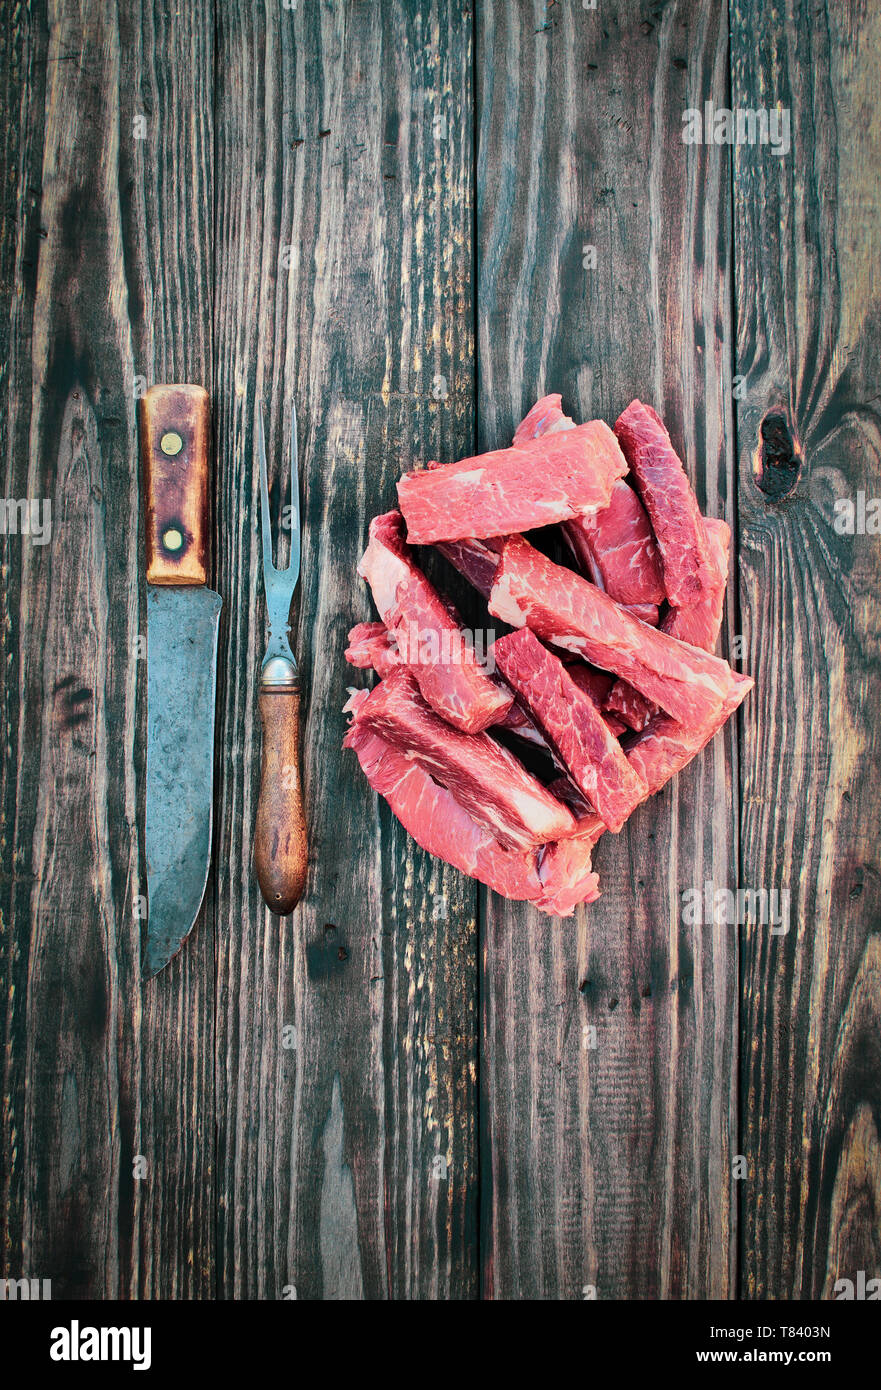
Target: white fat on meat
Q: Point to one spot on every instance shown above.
(504, 605)
(383, 571)
(570, 642)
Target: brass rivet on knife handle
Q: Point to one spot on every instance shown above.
(175, 436)
(280, 845)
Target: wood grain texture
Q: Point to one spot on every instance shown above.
(606, 1166)
(167, 207)
(355, 1102)
(347, 1032)
(22, 84)
(95, 1077)
(808, 235)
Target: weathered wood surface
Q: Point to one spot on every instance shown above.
(606, 1165)
(808, 233)
(343, 281)
(292, 219)
(98, 226)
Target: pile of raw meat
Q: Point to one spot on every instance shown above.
(609, 670)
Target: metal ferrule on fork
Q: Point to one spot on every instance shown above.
(279, 674)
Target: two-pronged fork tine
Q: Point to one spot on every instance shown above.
(265, 524)
(279, 664)
(294, 557)
(280, 848)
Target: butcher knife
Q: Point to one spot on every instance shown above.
(182, 622)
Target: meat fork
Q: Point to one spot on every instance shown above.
(280, 847)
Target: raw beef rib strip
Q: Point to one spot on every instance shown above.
(690, 574)
(616, 550)
(533, 484)
(626, 704)
(596, 685)
(664, 747)
(442, 827)
(372, 645)
(427, 632)
(545, 417)
(476, 560)
(646, 612)
(565, 869)
(517, 721)
(437, 822)
(494, 788)
(699, 624)
(562, 608)
(569, 861)
(572, 726)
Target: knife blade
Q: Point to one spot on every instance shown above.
(183, 616)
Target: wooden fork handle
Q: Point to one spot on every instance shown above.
(280, 848)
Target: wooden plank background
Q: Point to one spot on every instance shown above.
(808, 330)
(382, 211)
(343, 280)
(606, 1166)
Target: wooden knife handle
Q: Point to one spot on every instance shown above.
(175, 429)
(280, 848)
